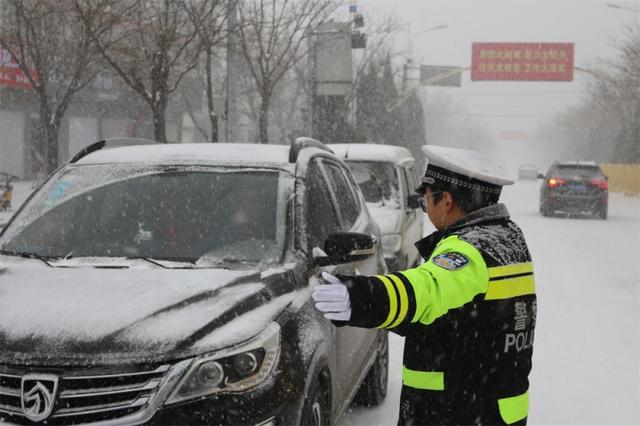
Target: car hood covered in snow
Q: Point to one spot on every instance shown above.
(388, 217)
(75, 315)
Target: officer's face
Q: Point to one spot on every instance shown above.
(436, 210)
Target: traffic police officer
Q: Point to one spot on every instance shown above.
(468, 312)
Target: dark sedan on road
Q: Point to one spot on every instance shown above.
(575, 188)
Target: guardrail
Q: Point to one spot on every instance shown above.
(623, 178)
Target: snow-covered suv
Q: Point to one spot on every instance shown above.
(387, 177)
(170, 284)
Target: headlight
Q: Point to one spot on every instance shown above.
(231, 370)
(391, 242)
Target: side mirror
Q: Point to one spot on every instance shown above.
(540, 176)
(345, 247)
(413, 202)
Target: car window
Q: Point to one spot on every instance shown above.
(377, 180)
(578, 171)
(182, 214)
(322, 218)
(412, 177)
(346, 201)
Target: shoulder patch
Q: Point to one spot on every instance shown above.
(450, 261)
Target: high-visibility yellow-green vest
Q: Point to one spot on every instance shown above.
(468, 314)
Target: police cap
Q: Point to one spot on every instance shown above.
(462, 168)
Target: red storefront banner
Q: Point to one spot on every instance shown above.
(522, 61)
(10, 73)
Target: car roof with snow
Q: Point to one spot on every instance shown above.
(371, 152)
(196, 153)
(140, 151)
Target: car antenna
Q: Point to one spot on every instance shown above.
(346, 154)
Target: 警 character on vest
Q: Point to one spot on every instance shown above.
(468, 312)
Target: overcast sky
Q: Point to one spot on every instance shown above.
(591, 25)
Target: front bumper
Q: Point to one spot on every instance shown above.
(244, 410)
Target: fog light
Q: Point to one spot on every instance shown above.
(245, 363)
(210, 374)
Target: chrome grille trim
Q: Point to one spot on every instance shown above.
(159, 370)
(9, 391)
(103, 408)
(134, 409)
(11, 376)
(10, 410)
(114, 390)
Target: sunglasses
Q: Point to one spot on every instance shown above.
(423, 200)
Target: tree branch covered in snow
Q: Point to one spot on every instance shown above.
(56, 54)
(151, 45)
(272, 37)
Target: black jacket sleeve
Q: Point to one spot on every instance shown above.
(369, 301)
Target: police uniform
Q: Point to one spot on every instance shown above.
(468, 312)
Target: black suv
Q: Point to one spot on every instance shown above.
(574, 188)
(170, 284)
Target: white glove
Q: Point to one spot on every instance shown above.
(332, 299)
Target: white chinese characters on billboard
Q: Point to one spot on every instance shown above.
(522, 61)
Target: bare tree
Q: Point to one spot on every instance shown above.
(151, 45)
(56, 54)
(606, 127)
(272, 38)
(212, 35)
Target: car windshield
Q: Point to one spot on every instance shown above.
(578, 171)
(377, 180)
(172, 213)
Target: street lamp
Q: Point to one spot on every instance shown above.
(426, 30)
(409, 52)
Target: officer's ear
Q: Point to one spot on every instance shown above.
(447, 198)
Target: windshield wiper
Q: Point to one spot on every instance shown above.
(29, 255)
(157, 260)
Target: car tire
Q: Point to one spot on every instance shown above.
(544, 210)
(602, 211)
(373, 390)
(317, 408)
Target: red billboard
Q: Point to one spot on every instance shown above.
(522, 61)
(10, 73)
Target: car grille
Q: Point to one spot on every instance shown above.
(86, 398)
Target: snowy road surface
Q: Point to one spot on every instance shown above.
(586, 353)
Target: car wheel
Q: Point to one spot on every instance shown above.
(602, 212)
(316, 411)
(544, 210)
(374, 387)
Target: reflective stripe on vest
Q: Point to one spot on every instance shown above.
(404, 300)
(393, 300)
(510, 281)
(427, 380)
(511, 287)
(514, 408)
(514, 269)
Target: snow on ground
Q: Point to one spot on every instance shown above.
(586, 352)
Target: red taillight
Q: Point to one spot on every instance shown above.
(600, 183)
(555, 182)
